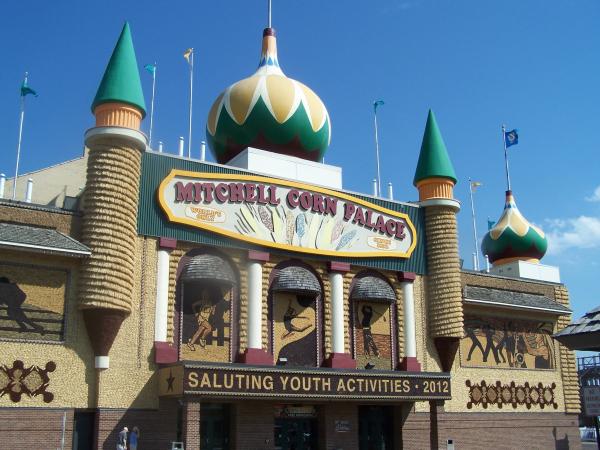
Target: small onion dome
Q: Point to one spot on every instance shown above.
(268, 111)
(513, 237)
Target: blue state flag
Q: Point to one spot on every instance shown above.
(511, 138)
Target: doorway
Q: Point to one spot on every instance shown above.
(295, 433)
(83, 430)
(375, 430)
(214, 426)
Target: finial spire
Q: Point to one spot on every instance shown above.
(121, 81)
(269, 13)
(434, 161)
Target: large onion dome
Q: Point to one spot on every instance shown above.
(268, 111)
(513, 237)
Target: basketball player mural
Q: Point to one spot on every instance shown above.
(206, 323)
(372, 335)
(294, 329)
(498, 342)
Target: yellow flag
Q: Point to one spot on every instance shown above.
(475, 185)
(187, 54)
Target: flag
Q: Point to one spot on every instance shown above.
(150, 68)
(187, 54)
(378, 103)
(475, 185)
(25, 89)
(511, 138)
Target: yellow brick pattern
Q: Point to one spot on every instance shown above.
(399, 316)
(70, 382)
(567, 359)
(109, 227)
(266, 332)
(443, 282)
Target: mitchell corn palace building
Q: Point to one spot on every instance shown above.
(253, 303)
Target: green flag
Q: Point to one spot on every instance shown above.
(25, 89)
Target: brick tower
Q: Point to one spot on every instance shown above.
(435, 180)
(111, 198)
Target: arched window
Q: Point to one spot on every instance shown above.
(295, 296)
(372, 301)
(207, 292)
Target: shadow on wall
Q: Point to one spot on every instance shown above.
(13, 297)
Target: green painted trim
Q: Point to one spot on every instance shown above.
(121, 80)
(153, 222)
(434, 161)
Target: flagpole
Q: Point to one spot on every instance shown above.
(474, 225)
(506, 158)
(21, 119)
(191, 100)
(152, 103)
(377, 152)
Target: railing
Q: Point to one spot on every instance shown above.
(588, 368)
(588, 362)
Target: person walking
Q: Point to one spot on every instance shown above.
(122, 440)
(133, 438)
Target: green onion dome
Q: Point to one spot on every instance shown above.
(268, 111)
(513, 237)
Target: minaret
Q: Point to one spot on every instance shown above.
(111, 198)
(435, 180)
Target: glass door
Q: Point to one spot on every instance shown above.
(295, 434)
(214, 426)
(375, 428)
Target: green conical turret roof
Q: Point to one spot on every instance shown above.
(434, 161)
(121, 80)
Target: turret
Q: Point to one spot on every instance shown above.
(111, 198)
(270, 111)
(435, 180)
(513, 238)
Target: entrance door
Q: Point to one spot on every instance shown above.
(295, 434)
(375, 427)
(83, 430)
(214, 426)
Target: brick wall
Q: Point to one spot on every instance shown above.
(252, 425)
(500, 431)
(328, 437)
(190, 423)
(158, 428)
(35, 428)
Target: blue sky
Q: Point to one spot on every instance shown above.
(533, 65)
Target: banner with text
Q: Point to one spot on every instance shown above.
(241, 381)
(286, 215)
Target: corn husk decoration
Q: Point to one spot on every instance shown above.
(289, 220)
(346, 239)
(313, 229)
(324, 235)
(300, 227)
(337, 231)
(266, 217)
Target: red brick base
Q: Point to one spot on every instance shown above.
(252, 427)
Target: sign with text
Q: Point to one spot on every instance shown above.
(591, 400)
(286, 215)
(242, 381)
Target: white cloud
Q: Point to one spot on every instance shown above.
(595, 197)
(582, 232)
